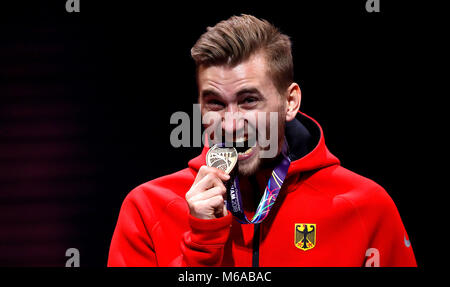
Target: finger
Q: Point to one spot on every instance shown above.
(216, 202)
(209, 181)
(212, 192)
(206, 183)
(205, 170)
(225, 210)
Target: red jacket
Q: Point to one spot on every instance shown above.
(350, 220)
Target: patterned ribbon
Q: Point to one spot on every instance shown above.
(234, 198)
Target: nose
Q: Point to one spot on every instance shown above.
(232, 122)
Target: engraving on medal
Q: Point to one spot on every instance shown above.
(224, 158)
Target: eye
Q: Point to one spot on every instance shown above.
(248, 102)
(215, 105)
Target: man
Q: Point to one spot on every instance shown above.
(321, 214)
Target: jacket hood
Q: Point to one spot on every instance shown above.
(307, 149)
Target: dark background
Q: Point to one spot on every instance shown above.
(86, 98)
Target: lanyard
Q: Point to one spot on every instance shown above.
(234, 197)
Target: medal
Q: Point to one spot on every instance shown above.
(221, 157)
(225, 159)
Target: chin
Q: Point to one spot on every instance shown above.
(249, 168)
(252, 165)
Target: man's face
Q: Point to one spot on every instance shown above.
(238, 96)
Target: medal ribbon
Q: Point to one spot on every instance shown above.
(234, 197)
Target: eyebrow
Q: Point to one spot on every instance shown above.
(211, 93)
(249, 91)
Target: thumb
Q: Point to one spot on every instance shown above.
(225, 211)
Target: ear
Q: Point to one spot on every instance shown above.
(293, 100)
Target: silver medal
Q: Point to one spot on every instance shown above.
(224, 158)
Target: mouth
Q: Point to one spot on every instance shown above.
(245, 147)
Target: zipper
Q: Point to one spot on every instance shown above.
(256, 227)
(255, 253)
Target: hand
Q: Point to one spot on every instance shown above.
(206, 196)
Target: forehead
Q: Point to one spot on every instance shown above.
(251, 71)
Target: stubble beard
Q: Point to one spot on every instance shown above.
(256, 163)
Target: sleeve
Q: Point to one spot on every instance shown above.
(389, 244)
(132, 244)
(204, 244)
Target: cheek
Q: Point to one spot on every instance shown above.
(251, 119)
(210, 118)
(260, 124)
(251, 125)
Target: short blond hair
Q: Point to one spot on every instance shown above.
(234, 40)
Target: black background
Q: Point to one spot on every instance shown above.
(86, 98)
